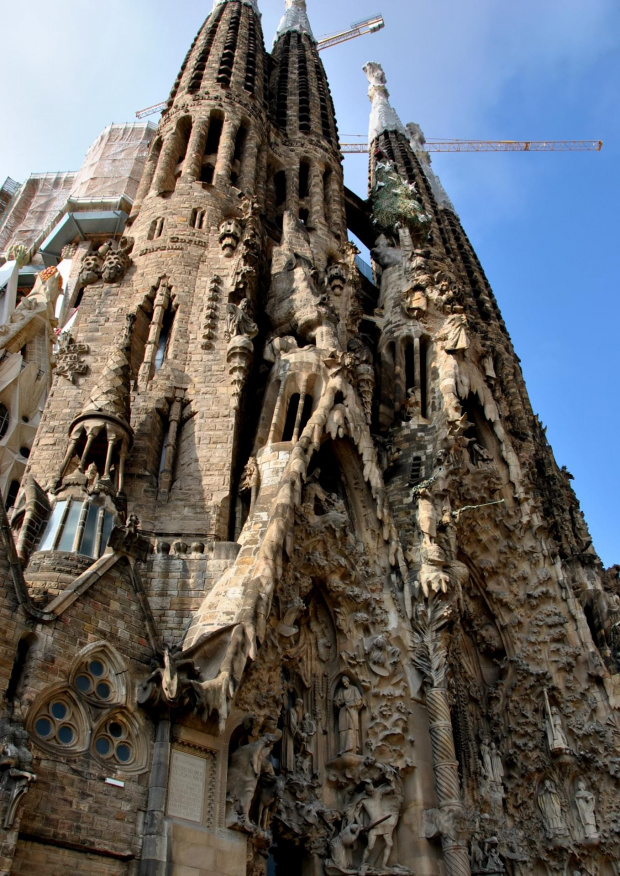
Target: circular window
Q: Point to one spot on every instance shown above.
(103, 690)
(115, 729)
(123, 753)
(103, 746)
(83, 684)
(59, 711)
(43, 727)
(24, 451)
(66, 734)
(5, 419)
(97, 668)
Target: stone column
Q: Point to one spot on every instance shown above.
(165, 478)
(162, 301)
(247, 176)
(430, 657)
(195, 151)
(147, 178)
(164, 176)
(154, 861)
(317, 201)
(226, 151)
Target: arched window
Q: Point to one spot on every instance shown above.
(240, 141)
(279, 182)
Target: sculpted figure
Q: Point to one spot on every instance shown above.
(341, 848)
(239, 321)
(291, 732)
(556, 734)
(349, 702)
(307, 754)
(247, 764)
(456, 333)
(381, 807)
(550, 806)
(584, 800)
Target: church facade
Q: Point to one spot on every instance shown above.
(293, 583)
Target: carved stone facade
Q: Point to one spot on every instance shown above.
(293, 584)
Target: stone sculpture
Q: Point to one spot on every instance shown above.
(584, 800)
(247, 764)
(349, 702)
(550, 805)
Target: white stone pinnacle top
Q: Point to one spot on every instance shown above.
(383, 117)
(295, 18)
(252, 3)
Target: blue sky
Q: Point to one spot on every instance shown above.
(545, 226)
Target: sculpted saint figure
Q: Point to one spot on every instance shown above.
(550, 806)
(555, 731)
(349, 702)
(584, 800)
(239, 320)
(291, 730)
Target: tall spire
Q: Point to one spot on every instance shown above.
(295, 18)
(383, 117)
(417, 141)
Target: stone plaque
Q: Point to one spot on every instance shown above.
(186, 788)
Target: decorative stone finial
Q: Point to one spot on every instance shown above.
(295, 18)
(383, 116)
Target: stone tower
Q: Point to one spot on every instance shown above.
(293, 584)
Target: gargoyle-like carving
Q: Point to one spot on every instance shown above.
(16, 775)
(230, 235)
(248, 764)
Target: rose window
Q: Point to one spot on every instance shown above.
(95, 681)
(60, 723)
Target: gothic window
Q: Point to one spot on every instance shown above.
(156, 228)
(115, 742)
(306, 412)
(5, 419)
(60, 723)
(425, 354)
(409, 365)
(327, 182)
(96, 679)
(304, 179)
(184, 130)
(197, 219)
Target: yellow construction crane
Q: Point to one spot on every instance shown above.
(357, 29)
(496, 146)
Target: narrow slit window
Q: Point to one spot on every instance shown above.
(304, 180)
(279, 182)
(89, 538)
(164, 338)
(291, 418)
(409, 365)
(214, 135)
(424, 356)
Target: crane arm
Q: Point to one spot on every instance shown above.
(359, 28)
(496, 146)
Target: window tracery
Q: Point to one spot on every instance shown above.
(89, 713)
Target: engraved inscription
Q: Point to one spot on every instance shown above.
(186, 789)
